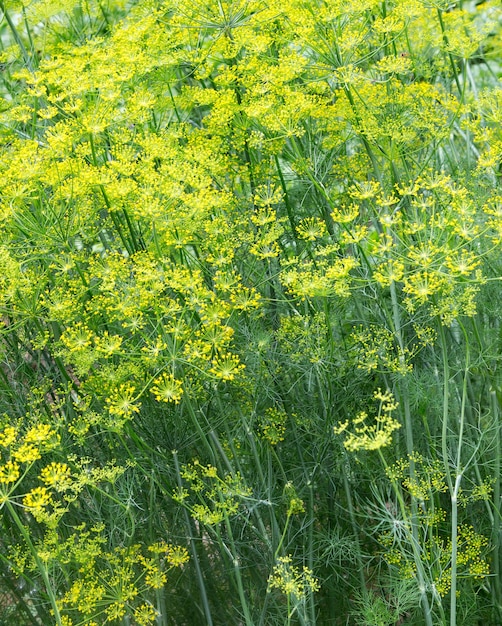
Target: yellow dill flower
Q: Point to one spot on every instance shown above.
(205, 515)
(177, 555)
(8, 436)
(155, 578)
(40, 434)
(167, 388)
(145, 614)
(273, 425)
(394, 64)
(77, 338)
(365, 190)
(311, 228)
(389, 272)
(121, 401)
(245, 298)
(462, 263)
(420, 286)
(108, 344)
(226, 366)
(375, 435)
(9, 472)
(345, 213)
(27, 453)
(116, 610)
(36, 499)
(56, 475)
(292, 580)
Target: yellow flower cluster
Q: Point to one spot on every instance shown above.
(218, 497)
(291, 580)
(273, 425)
(114, 584)
(371, 436)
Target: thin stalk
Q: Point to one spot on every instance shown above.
(310, 561)
(281, 541)
(195, 558)
(366, 144)
(287, 203)
(350, 502)
(40, 565)
(405, 399)
(265, 481)
(446, 398)
(454, 549)
(415, 547)
(450, 56)
(456, 489)
(198, 428)
(136, 245)
(496, 534)
(237, 572)
(396, 317)
(264, 534)
(17, 38)
(355, 532)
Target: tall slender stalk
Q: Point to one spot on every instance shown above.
(497, 505)
(193, 551)
(17, 38)
(39, 563)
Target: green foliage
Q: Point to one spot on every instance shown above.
(249, 312)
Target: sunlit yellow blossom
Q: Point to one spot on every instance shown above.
(116, 610)
(8, 436)
(371, 433)
(56, 475)
(9, 472)
(145, 615)
(36, 499)
(177, 555)
(156, 579)
(292, 580)
(226, 367)
(122, 401)
(27, 453)
(311, 228)
(40, 434)
(167, 388)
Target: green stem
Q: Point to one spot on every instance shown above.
(237, 571)
(17, 38)
(355, 533)
(450, 56)
(454, 549)
(195, 558)
(405, 397)
(456, 488)
(281, 541)
(415, 546)
(446, 397)
(39, 563)
(496, 533)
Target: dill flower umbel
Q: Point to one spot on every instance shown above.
(371, 436)
(56, 475)
(167, 388)
(9, 472)
(291, 580)
(37, 499)
(122, 401)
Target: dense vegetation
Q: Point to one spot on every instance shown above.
(250, 264)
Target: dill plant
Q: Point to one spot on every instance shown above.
(250, 335)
